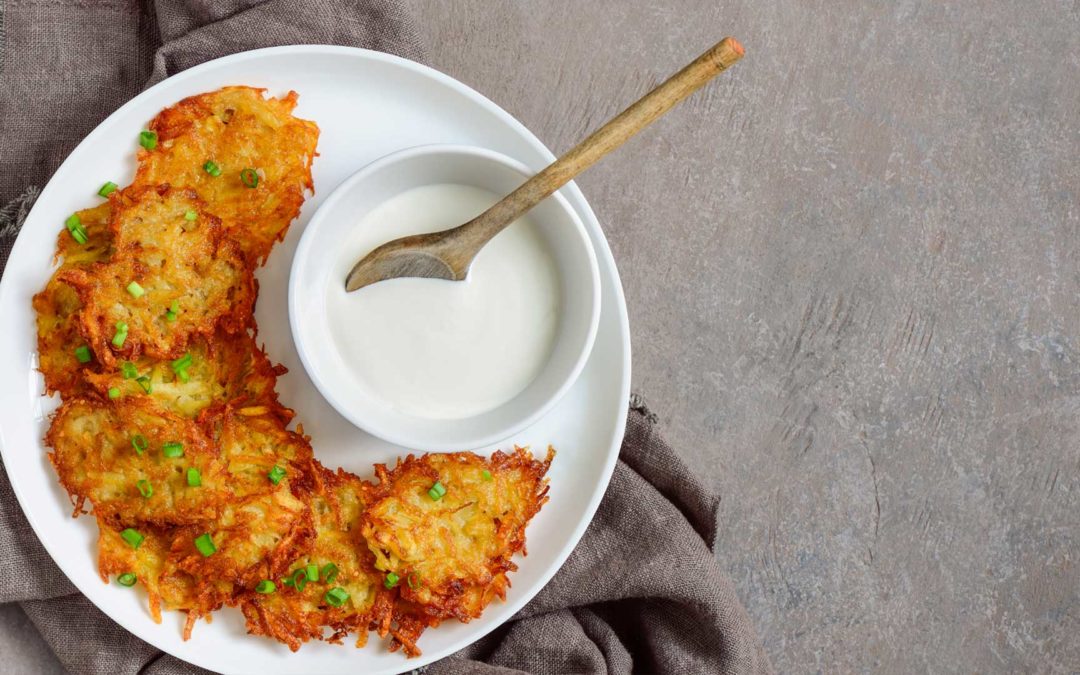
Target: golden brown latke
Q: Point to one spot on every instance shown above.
(296, 613)
(175, 259)
(97, 457)
(237, 129)
(223, 369)
(452, 553)
(150, 562)
(57, 304)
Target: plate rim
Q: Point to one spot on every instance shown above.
(601, 245)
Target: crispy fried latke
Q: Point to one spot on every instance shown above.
(451, 554)
(237, 128)
(174, 259)
(57, 305)
(224, 368)
(295, 615)
(96, 455)
(151, 564)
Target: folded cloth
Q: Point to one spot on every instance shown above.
(641, 593)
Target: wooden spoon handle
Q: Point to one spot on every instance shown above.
(602, 141)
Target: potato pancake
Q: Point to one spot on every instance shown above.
(447, 525)
(299, 609)
(222, 369)
(150, 562)
(57, 306)
(246, 156)
(172, 276)
(132, 462)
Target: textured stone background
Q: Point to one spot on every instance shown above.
(853, 272)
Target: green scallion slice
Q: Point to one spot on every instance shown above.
(299, 579)
(107, 189)
(145, 383)
(120, 335)
(250, 178)
(138, 441)
(145, 488)
(114, 392)
(194, 478)
(182, 362)
(329, 572)
(132, 537)
(205, 545)
(170, 316)
(148, 139)
(265, 586)
(127, 579)
(75, 228)
(175, 307)
(413, 580)
(336, 597)
(312, 572)
(135, 289)
(391, 580)
(183, 376)
(190, 215)
(437, 491)
(276, 475)
(172, 449)
(212, 168)
(486, 475)
(128, 370)
(83, 354)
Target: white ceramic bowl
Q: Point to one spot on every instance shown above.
(315, 267)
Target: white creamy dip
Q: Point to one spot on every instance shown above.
(446, 349)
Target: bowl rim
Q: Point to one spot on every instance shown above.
(368, 419)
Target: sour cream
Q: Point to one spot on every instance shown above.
(444, 349)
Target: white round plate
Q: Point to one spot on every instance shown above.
(367, 104)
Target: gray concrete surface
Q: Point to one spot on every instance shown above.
(853, 273)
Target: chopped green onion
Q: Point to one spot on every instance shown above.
(486, 475)
(336, 597)
(132, 537)
(212, 168)
(114, 392)
(138, 441)
(414, 580)
(190, 215)
(287, 581)
(107, 189)
(437, 491)
(194, 478)
(250, 178)
(183, 376)
(391, 580)
(75, 227)
(145, 383)
(135, 289)
(148, 139)
(128, 370)
(265, 586)
(312, 572)
(205, 545)
(145, 488)
(175, 307)
(82, 354)
(299, 579)
(182, 362)
(329, 572)
(126, 579)
(120, 335)
(170, 316)
(172, 449)
(276, 474)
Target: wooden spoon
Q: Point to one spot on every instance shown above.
(448, 254)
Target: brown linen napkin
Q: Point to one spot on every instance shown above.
(641, 593)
